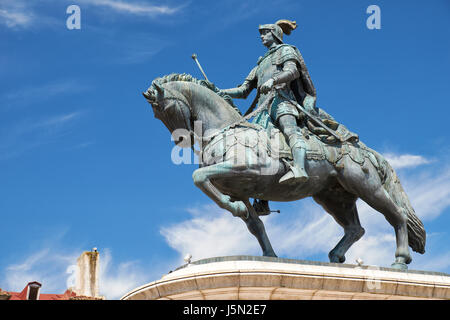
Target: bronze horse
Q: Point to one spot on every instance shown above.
(342, 173)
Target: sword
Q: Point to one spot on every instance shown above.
(194, 56)
(314, 118)
(319, 122)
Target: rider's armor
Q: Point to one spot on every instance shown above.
(285, 65)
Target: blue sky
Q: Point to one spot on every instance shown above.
(83, 162)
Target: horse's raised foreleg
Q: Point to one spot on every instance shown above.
(342, 206)
(243, 209)
(202, 179)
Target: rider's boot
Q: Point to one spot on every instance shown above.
(297, 172)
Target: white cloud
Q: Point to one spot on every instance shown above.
(136, 48)
(405, 160)
(50, 267)
(27, 134)
(438, 262)
(377, 249)
(58, 120)
(21, 14)
(116, 280)
(13, 19)
(429, 192)
(215, 232)
(211, 232)
(30, 126)
(46, 266)
(15, 14)
(82, 145)
(134, 7)
(30, 94)
(307, 232)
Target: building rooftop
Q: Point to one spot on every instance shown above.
(32, 291)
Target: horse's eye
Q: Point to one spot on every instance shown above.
(170, 106)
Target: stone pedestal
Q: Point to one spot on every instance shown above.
(263, 278)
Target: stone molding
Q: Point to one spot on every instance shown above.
(247, 278)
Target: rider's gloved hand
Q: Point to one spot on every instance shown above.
(210, 85)
(267, 86)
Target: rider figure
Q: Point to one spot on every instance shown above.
(282, 68)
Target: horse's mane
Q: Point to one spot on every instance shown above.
(179, 77)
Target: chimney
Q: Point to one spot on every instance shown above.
(87, 275)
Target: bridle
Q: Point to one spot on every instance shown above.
(189, 124)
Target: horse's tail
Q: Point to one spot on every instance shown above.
(391, 183)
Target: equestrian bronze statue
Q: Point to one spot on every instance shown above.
(291, 149)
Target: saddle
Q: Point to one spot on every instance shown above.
(266, 140)
(235, 143)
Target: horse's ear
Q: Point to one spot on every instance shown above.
(159, 89)
(147, 95)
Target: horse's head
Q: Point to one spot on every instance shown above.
(179, 100)
(173, 109)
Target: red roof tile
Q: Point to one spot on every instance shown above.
(42, 296)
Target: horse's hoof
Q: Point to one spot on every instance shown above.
(270, 254)
(239, 209)
(399, 266)
(336, 259)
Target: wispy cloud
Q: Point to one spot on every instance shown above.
(53, 269)
(136, 48)
(31, 94)
(141, 55)
(210, 232)
(14, 19)
(429, 192)
(438, 262)
(308, 231)
(15, 14)
(134, 8)
(81, 145)
(117, 279)
(22, 14)
(47, 266)
(405, 160)
(27, 134)
(53, 264)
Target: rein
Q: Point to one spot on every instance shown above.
(243, 119)
(206, 140)
(191, 118)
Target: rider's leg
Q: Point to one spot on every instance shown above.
(289, 127)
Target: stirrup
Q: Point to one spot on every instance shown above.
(294, 175)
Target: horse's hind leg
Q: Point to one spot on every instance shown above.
(395, 215)
(367, 186)
(342, 206)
